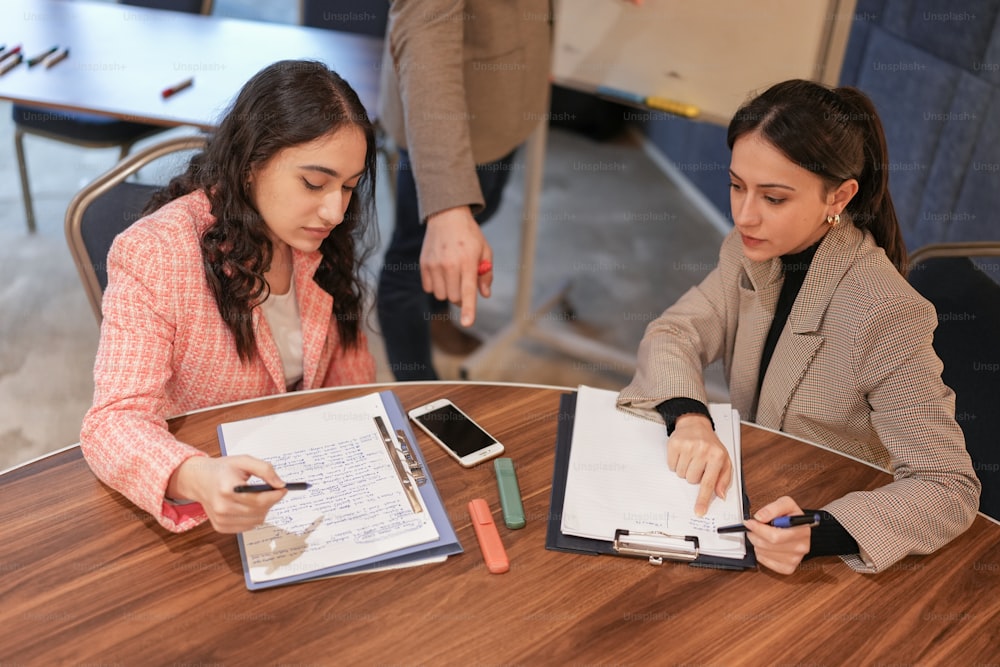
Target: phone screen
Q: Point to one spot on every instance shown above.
(455, 430)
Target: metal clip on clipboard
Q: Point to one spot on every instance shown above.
(397, 463)
(656, 546)
(415, 468)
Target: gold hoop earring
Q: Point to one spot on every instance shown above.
(833, 220)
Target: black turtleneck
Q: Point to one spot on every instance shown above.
(795, 268)
(829, 538)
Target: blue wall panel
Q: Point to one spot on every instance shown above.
(932, 68)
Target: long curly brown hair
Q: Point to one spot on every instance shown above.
(288, 103)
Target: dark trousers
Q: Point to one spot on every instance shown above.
(405, 311)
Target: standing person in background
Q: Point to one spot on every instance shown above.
(820, 335)
(241, 281)
(464, 84)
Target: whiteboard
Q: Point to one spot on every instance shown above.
(712, 54)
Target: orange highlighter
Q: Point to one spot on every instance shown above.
(489, 539)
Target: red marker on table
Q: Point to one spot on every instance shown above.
(485, 267)
(15, 50)
(173, 90)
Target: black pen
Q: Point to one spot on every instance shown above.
(259, 488)
(779, 522)
(42, 56)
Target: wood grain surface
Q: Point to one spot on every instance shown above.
(86, 578)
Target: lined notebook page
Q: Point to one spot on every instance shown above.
(619, 479)
(356, 508)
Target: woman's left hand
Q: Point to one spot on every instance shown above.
(779, 549)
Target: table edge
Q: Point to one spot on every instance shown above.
(258, 399)
(485, 383)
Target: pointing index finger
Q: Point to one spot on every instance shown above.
(470, 285)
(707, 488)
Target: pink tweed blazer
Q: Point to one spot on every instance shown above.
(164, 350)
(853, 370)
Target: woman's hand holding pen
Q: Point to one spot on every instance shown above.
(695, 453)
(779, 549)
(212, 482)
(454, 250)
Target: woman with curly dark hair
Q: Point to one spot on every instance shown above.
(241, 281)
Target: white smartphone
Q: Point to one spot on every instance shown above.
(464, 440)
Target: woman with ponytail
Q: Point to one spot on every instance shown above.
(242, 281)
(820, 336)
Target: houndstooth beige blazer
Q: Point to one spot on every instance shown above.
(853, 370)
(463, 83)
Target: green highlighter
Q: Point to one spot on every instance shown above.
(510, 494)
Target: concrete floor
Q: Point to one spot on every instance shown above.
(626, 240)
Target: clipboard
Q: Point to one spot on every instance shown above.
(654, 547)
(411, 461)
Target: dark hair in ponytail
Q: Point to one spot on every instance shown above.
(837, 135)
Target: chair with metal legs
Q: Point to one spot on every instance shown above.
(107, 206)
(87, 130)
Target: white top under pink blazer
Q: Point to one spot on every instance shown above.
(165, 350)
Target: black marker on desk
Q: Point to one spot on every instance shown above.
(42, 56)
(779, 522)
(260, 488)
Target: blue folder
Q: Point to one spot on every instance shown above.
(447, 543)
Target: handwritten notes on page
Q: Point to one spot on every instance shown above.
(618, 478)
(357, 506)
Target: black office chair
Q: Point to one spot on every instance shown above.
(107, 206)
(363, 17)
(87, 130)
(960, 279)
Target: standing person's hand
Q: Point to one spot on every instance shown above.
(454, 247)
(695, 453)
